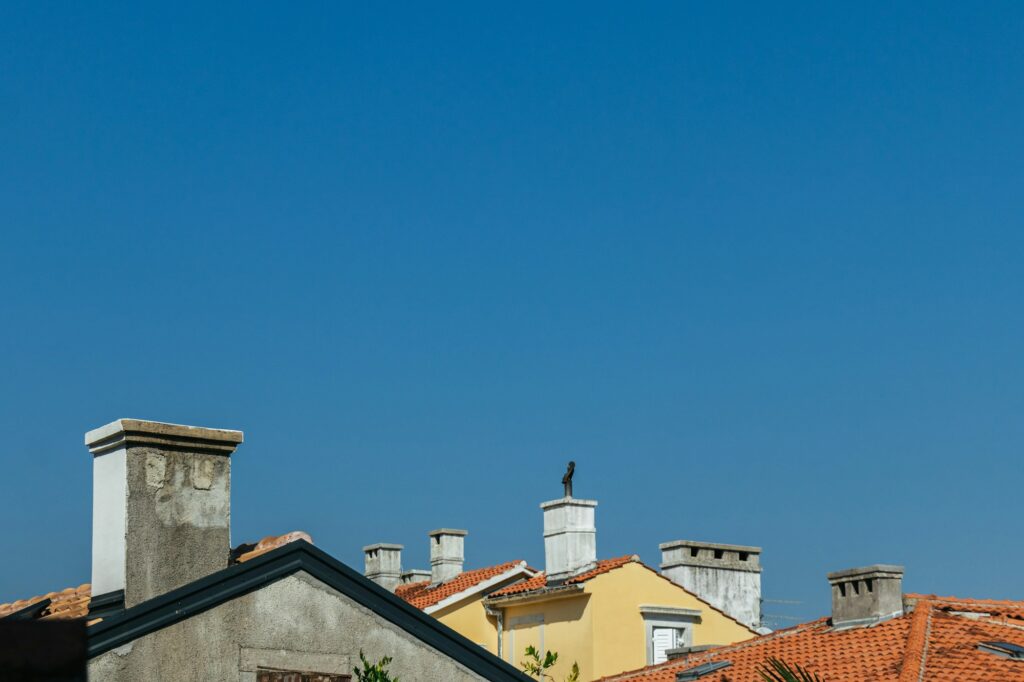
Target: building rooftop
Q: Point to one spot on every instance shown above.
(73, 602)
(938, 639)
(422, 595)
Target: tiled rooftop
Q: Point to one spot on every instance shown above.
(540, 581)
(73, 602)
(936, 642)
(422, 595)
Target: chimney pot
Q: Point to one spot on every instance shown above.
(384, 564)
(447, 552)
(861, 596)
(161, 505)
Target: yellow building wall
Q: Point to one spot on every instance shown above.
(567, 628)
(469, 619)
(601, 628)
(620, 638)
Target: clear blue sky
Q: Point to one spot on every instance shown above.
(758, 271)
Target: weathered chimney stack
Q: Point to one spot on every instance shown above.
(861, 596)
(161, 506)
(726, 576)
(383, 564)
(415, 575)
(447, 553)
(570, 537)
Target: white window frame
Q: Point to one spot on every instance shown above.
(668, 617)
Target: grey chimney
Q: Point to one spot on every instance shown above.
(861, 596)
(415, 575)
(161, 505)
(384, 564)
(726, 576)
(570, 537)
(447, 552)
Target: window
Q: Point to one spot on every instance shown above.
(287, 676)
(663, 639)
(665, 628)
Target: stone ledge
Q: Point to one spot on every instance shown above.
(873, 571)
(564, 501)
(141, 433)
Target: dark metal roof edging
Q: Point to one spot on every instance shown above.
(240, 579)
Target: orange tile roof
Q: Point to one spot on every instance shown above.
(73, 602)
(540, 581)
(936, 642)
(422, 595)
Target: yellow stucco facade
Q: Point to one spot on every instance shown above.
(604, 625)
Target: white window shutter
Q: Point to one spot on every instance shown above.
(663, 639)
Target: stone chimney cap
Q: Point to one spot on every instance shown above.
(872, 571)
(575, 501)
(139, 432)
(383, 545)
(749, 549)
(448, 531)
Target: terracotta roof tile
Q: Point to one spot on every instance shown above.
(422, 595)
(73, 602)
(933, 643)
(540, 581)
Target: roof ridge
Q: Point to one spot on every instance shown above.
(964, 600)
(913, 665)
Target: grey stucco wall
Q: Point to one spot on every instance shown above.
(295, 623)
(179, 519)
(738, 593)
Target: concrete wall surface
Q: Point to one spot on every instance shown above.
(296, 623)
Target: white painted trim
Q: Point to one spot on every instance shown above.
(520, 568)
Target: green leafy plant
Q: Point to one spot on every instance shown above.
(776, 670)
(537, 667)
(374, 672)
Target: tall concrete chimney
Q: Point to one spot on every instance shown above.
(570, 537)
(447, 550)
(862, 596)
(726, 576)
(161, 506)
(384, 564)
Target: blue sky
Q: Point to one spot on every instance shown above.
(757, 270)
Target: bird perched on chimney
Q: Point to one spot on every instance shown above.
(567, 478)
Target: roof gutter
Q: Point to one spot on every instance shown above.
(543, 594)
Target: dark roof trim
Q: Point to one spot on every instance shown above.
(30, 612)
(240, 579)
(107, 604)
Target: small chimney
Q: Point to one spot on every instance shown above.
(726, 576)
(570, 537)
(161, 506)
(861, 596)
(415, 575)
(384, 564)
(447, 549)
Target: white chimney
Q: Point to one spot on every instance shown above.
(384, 564)
(447, 550)
(570, 537)
(161, 506)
